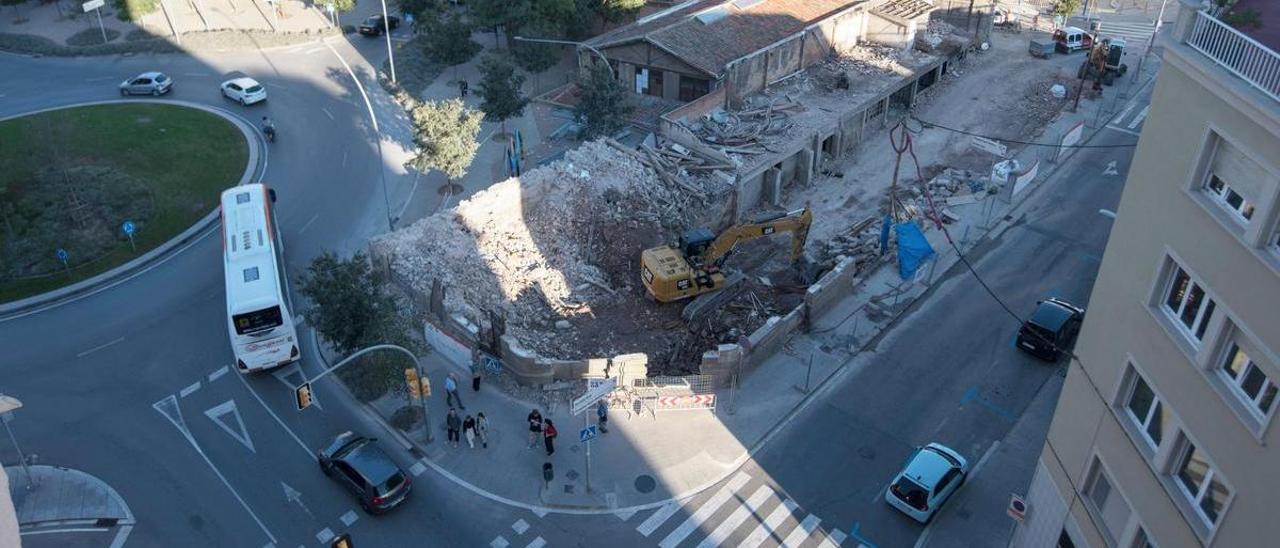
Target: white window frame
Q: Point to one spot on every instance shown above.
(1221, 196)
(1208, 306)
(1157, 406)
(1182, 457)
(1114, 496)
(1236, 383)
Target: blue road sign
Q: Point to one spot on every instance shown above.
(587, 434)
(62, 255)
(128, 228)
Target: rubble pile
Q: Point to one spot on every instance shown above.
(556, 244)
(748, 131)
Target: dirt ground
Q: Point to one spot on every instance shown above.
(1017, 107)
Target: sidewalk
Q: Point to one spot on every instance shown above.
(61, 497)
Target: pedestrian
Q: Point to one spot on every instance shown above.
(476, 369)
(469, 430)
(602, 416)
(451, 392)
(482, 430)
(535, 427)
(454, 424)
(462, 87)
(549, 436)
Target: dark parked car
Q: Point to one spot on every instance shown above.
(373, 26)
(364, 469)
(1051, 329)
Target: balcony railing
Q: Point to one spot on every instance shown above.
(1240, 54)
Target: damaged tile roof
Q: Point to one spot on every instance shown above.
(709, 34)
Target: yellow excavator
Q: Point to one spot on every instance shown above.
(696, 266)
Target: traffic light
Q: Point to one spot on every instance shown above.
(342, 541)
(303, 396)
(411, 379)
(426, 387)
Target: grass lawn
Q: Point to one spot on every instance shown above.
(176, 161)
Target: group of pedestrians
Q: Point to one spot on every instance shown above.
(472, 428)
(545, 428)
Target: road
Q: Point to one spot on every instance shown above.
(134, 384)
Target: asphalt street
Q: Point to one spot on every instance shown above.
(134, 383)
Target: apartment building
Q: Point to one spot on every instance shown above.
(1165, 433)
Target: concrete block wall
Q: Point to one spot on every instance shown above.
(830, 288)
(770, 337)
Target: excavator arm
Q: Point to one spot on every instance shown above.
(796, 222)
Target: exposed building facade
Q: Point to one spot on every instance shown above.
(1165, 433)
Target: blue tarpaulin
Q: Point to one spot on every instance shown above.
(913, 249)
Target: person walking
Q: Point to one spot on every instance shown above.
(482, 430)
(476, 371)
(454, 424)
(602, 416)
(549, 436)
(451, 392)
(469, 431)
(535, 427)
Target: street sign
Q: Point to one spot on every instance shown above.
(128, 226)
(303, 396)
(1017, 508)
(587, 434)
(93, 5)
(62, 255)
(593, 395)
(989, 145)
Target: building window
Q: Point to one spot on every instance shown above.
(1107, 503)
(692, 88)
(1064, 540)
(1199, 482)
(1229, 198)
(1145, 409)
(1248, 381)
(1140, 539)
(1186, 302)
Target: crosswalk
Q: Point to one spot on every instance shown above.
(746, 512)
(1130, 119)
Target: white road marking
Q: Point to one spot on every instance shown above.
(520, 526)
(307, 225)
(223, 409)
(349, 518)
(344, 158)
(625, 515)
(171, 402)
(195, 74)
(801, 533)
(310, 456)
(327, 113)
(324, 536)
(835, 538)
(499, 543)
(1111, 169)
(121, 536)
(359, 86)
(412, 189)
(190, 389)
(770, 525)
(1126, 111)
(99, 347)
(540, 512)
(705, 511)
(735, 519)
(1123, 130)
(1138, 119)
(658, 518)
(219, 372)
(100, 79)
(537, 543)
(417, 469)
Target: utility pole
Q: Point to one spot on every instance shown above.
(417, 365)
(386, 31)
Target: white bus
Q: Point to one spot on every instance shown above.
(258, 318)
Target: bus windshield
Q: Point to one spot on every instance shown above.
(258, 320)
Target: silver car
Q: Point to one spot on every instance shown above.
(147, 83)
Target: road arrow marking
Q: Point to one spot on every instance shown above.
(292, 495)
(239, 432)
(1111, 169)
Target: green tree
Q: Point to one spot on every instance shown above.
(616, 10)
(499, 89)
(602, 108)
(352, 309)
(131, 10)
(445, 133)
(1064, 8)
(420, 9)
(449, 42)
(536, 57)
(494, 14)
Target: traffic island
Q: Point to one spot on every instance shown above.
(86, 189)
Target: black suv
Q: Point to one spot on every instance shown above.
(365, 470)
(1051, 330)
(373, 26)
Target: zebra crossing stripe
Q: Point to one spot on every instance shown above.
(740, 515)
(537, 543)
(657, 519)
(771, 523)
(705, 511)
(835, 538)
(798, 536)
(1142, 114)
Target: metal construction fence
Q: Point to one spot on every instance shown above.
(658, 394)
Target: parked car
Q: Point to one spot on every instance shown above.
(245, 91)
(364, 469)
(373, 25)
(1072, 39)
(932, 474)
(147, 83)
(1051, 330)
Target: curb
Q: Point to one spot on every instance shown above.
(164, 251)
(69, 52)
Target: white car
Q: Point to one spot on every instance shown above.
(245, 91)
(932, 474)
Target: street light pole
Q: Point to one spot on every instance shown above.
(386, 31)
(7, 405)
(417, 366)
(565, 42)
